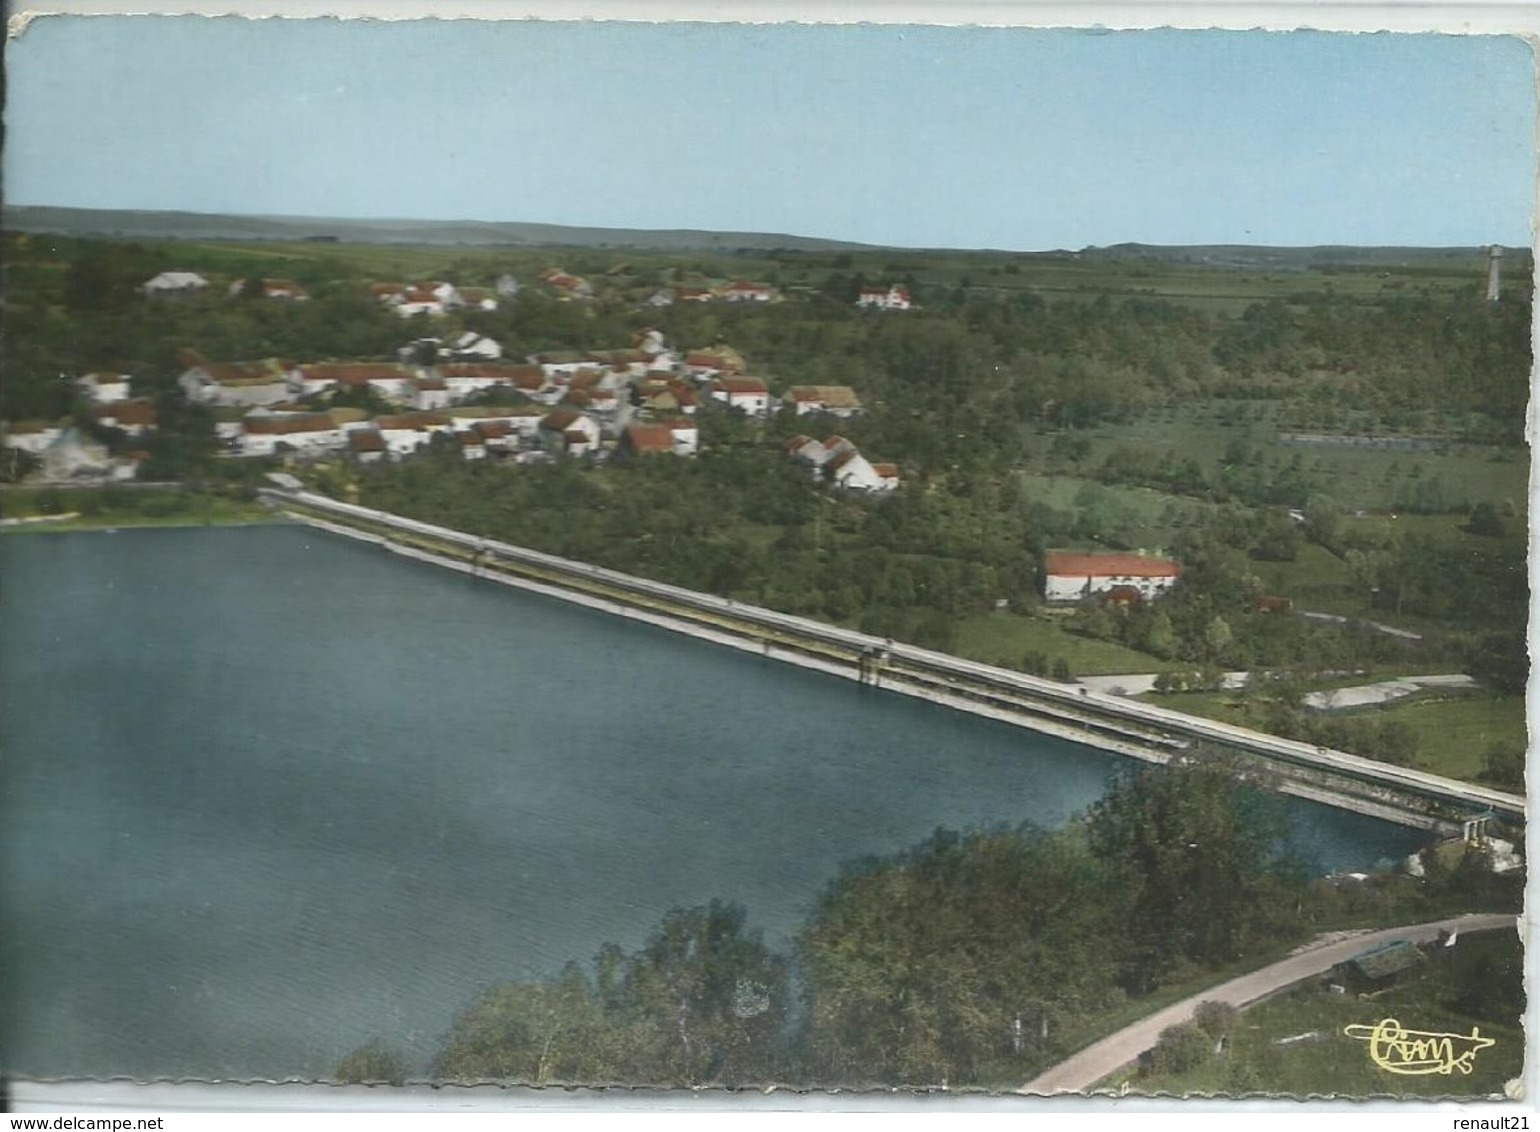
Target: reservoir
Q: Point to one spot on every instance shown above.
(267, 794)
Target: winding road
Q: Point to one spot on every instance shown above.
(1095, 1062)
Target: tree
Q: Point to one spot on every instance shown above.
(704, 1002)
(713, 995)
(1502, 765)
(1217, 636)
(1192, 851)
(931, 965)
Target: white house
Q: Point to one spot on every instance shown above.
(742, 291)
(746, 394)
(367, 445)
(685, 435)
(31, 436)
(497, 435)
(104, 388)
(524, 420)
(894, 298)
(567, 285)
(473, 347)
(836, 400)
(473, 445)
(433, 298)
(430, 394)
(850, 471)
(568, 431)
(283, 289)
(405, 433)
(477, 299)
(466, 379)
(175, 285)
(134, 418)
(1071, 576)
(304, 433)
(560, 365)
(236, 383)
(703, 364)
(385, 379)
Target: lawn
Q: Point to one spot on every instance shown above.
(1453, 734)
(1005, 638)
(1477, 984)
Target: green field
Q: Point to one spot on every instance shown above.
(1005, 638)
(1456, 473)
(1476, 984)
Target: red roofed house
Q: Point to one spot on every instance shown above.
(894, 298)
(285, 289)
(465, 379)
(404, 434)
(135, 418)
(836, 400)
(686, 435)
(301, 432)
(851, 471)
(385, 379)
(709, 363)
(498, 435)
(366, 445)
(647, 439)
(236, 383)
(569, 431)
(1070, 576)
(430, 393)
(747, 394)
(104, 388)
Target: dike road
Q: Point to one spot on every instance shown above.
(1099, 1061)
(1115, 723)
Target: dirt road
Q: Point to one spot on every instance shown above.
(1095, 1062)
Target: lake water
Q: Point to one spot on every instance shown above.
(267, 794)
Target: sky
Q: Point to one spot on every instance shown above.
(1012, 138)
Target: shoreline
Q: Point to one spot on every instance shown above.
(77, 523)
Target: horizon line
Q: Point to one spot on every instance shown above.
(11, 206)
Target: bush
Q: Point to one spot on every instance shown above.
(1181, 1049)
(371, 1064)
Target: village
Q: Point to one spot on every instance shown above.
(637, 400)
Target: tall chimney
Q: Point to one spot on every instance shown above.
(1494, 273)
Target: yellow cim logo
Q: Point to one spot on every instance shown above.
(1415, 1053)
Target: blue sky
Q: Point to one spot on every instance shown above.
(914, 136)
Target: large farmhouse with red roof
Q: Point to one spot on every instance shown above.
(1072, 576)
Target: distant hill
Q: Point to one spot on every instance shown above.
(201, 226)
(1295, 259)
(147, 225)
